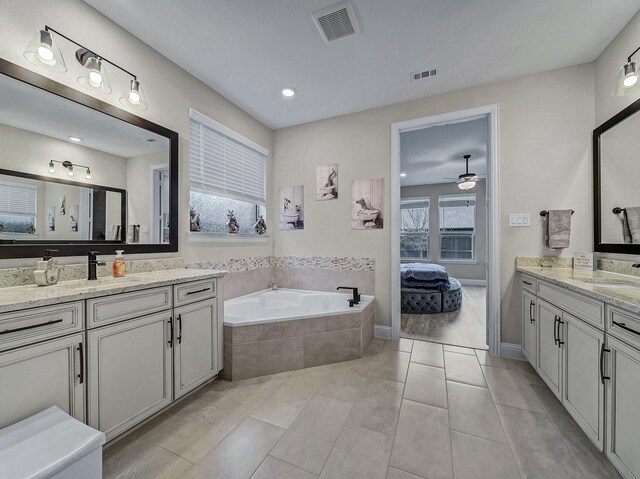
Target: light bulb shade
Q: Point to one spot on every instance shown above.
(94, 77)
(466, 184)
(70, 170)
(134, 98)
(52, 168)
(45, 53)
(627, 81)
(88, 174)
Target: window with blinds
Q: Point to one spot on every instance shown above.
(228, 173)
(18, 207)
(414, 228)
(223, 163)
(457, 226)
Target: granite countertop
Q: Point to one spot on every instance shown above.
(22, 297)
(624, 297)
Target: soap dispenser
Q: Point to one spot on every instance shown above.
(47, 272)
(119, 264)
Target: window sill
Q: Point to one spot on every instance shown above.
(415, 260)
(458, 261)
(203, 237)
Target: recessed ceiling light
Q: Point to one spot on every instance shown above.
(402, 175)
(75, 138)
(288, 91)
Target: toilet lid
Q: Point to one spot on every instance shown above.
(41, 445)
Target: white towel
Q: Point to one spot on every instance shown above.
(559, 228)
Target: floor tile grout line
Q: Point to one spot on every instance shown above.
(446, 389)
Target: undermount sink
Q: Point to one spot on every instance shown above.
(610, 283)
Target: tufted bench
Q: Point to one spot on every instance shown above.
(431, 301)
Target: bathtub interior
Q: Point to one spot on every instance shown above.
(288, 304)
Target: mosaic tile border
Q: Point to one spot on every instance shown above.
(307, 262)
(236, 264)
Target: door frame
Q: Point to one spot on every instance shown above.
(490, 112)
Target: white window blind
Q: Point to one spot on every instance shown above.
(17, 199)
(224, 163)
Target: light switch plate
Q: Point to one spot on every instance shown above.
(519, 219)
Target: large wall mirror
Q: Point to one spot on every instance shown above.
(77, 174)
(616, 190)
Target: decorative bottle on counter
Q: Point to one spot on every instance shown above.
(47, 272)
(119, 264)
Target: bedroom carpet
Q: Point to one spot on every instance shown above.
(465, 327)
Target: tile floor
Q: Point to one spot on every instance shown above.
(465, 327)
(408, 409)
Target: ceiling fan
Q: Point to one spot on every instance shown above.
(467, 180)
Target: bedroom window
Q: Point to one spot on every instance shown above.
(414, 228)
(227, 173)
(457, 227)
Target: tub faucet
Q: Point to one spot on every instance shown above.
(92, 263)
(356, 296)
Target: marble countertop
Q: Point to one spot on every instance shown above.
(624, 297)
(22, 297)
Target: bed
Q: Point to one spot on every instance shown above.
(427, 288)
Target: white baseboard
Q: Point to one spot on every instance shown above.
(473, 282)
(383, 332)
(513, 351)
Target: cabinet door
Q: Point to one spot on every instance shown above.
(529, 328)
(129, 372)
(623, 397)
(37, 377)
(549, 356)
(196, 345)
(583, 391)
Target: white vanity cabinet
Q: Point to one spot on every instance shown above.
(50, 373)
(42, 361)
(529, 327)
(549, 350)
(621, 371)
(570, 338)
(129, 372)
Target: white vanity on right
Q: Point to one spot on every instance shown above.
(582, 336)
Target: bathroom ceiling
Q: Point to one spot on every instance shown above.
(434, 155)
(248, 50)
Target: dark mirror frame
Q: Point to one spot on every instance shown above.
(78, 248)
(598, 245)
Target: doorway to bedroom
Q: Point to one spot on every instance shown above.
(443, 230)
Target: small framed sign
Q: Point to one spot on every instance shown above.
(583, 263)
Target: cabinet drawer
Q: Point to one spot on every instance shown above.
(584, 308)
(529, 283)
(118, 307)
(624, 325)
(191, 292)
(19, 328)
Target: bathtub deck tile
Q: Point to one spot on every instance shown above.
(325, 348)
(279, 330)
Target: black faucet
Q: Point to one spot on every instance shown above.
(93, 262)
(635, 265)
(356, 296)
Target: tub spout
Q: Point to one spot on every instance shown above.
(356, 296)
(274, 286)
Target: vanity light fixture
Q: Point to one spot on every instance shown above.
(75, 139)
(289, 91)
(43, 51)
(627, 81)
(69, 166)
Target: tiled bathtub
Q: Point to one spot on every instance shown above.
(274, 331)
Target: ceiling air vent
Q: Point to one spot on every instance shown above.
(425, 74)
(337, 21)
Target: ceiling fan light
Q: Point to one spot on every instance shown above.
(134, 98)
(466, 184)
(43, 52)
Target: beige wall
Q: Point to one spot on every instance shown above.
(545, 128)
(170, 91)
(460, 270)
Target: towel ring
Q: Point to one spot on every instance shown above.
(617, 210)
(545, 213)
